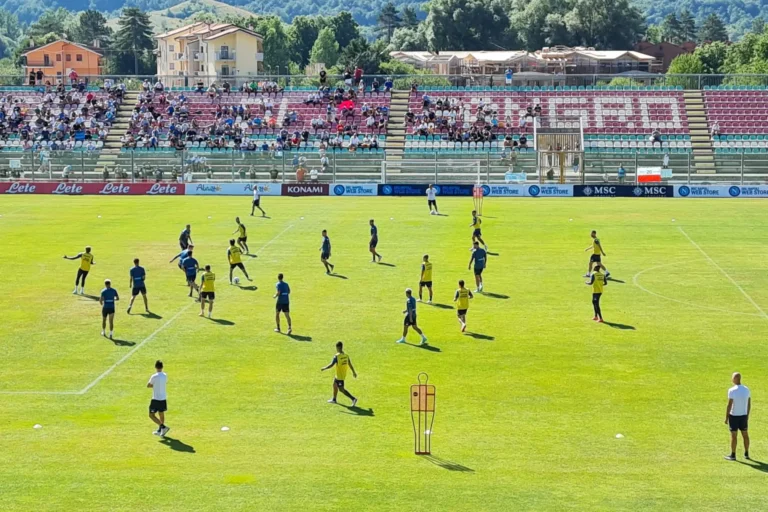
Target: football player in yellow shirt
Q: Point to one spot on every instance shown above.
(207, 290)
(597, 252)
(234, 255)
(598, 281)
(426, 277)
(461, 298)
(341, 361)
(86, 260)
(477, 235)
(242, 236)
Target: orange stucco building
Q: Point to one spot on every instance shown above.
(57, 59)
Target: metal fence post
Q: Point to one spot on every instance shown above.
(282, 174)
(435, 163)
(82, 164)
(742, 169)
(133, 169)
(233, 165)
(637, 179)
(487, 167)
(334, 168)
(689, 168)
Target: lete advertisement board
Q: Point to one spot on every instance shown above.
(104, 189)
(421, 190)
(354, 189)
(721, 191)
(232, 189)
(623, 190)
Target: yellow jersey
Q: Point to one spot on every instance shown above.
(86, 259)
(462, 298)
(342, 363)
(476, 222)
(598, 282)
(235, 254)
(598, 249)
(426, 271)
(241, 228)
(207, 282)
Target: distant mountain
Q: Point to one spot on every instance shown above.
(179, 14)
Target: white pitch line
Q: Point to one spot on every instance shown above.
(718, 267)
(134, 349)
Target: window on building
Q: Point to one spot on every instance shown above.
(79, 57)
(224, 70)
(58, 57)
(171, 48)
(172, 66)
(69, 57)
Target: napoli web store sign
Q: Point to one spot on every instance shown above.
(421, 190)
(528, 190)
(721, 191)
(354, 189)
(231, 189)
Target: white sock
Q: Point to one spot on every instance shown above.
(111, 333)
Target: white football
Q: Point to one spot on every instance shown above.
(236, 280)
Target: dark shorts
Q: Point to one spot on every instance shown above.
(738, 423)
(283, 308)
(243, 239)
(139, 290)
(461, 312)
(107, 311)
(338, 382)
(158, 406)
(237, 265)
(432, 202)
(191, 277)
(374, 242)
(208, 296)
(428, 284)
(184, 245)
(594, 258)
(325, 256)
(596, 296)
(82, 273)
(478, 271)
(476, 233)
(407, 321)
(256, 202)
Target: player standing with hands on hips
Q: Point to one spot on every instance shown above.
(737, 415)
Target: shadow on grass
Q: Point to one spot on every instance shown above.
(479, 336)
(441, 215)
(623, 327)
(441, 306)
(299, 337)
(755, 464)
(123, 343)
(492, 253)
(387, 264)
(339, 276)
(221, 321)
(447, 464)
(252, 255)
(251, 288)
(357, 411)
(177, 446)
(89, 297)
(615, 280)
(428, 348)
(153, 316)
(495, 295)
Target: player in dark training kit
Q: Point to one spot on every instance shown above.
(137, 284)
(341, 361)
(185, 238)
(107, 301)
(325, 253)
(374, 242)
(480, 257)
(191, 267)
(242, 236)
(182, 256)
(86, 260)
(234, 255)
(283, 304)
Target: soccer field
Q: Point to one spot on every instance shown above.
(529, 403)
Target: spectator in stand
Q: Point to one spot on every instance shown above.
(73, 77)
(159, 88)
(523, 142)
(537, 110)
(323, 77)
(146, 86)
(426, 101)
(715, 129)
(200, 87)
(621, 174)
(655, 137)
(226, 87)
(388, 84)
(31, 77)
(358, 75)
(508, 75)
(39, 75)
(375, 86)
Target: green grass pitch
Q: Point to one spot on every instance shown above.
(527, 411)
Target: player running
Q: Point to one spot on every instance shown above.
(190, 266)
(597, 251)
(207, 290)
(374, 242)
(182, 256)
(476, 234)
(325, 253)
(137, 284)
(86, 260)
(234, 255)
(107, 301)
(598, 281)
(432, 199)
(341, 361)
(410, 318)
(480, 258)
(283, 305)
(257, 202)
(185, 238)
(461, 298)
(426, 277)
(242, 236)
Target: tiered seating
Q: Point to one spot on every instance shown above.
(639, 143)
(739, 117)
(57, 111)
(633, 114)
(265, 116)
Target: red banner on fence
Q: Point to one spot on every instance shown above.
(305, 189)
(79, 189)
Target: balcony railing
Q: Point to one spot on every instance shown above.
(33, 64)
(228, 55)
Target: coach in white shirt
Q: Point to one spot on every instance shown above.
(737, 415)
(158, 405)
(432, 199)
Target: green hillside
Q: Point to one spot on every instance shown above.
(180, 14)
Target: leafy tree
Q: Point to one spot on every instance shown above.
(687, 26)
(303, 34)
(53, 21)
(671, 29)
(758, 25)
(409, 39)
(389, 20)
(469, 25)
(10, 33)
(409, 16)
(325, 49)
(277, 54)
(712, 56)
(367, 56)
(713, 29)
(345, 28)
(605, 24)
(90, 26)
(685, 64)
(540, 23)
(653, 34)
(133, 43)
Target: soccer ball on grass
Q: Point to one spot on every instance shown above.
(236, 280)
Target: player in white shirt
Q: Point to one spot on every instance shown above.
(158, 405)
(432, 199)
(737, 415)
(257, 201)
